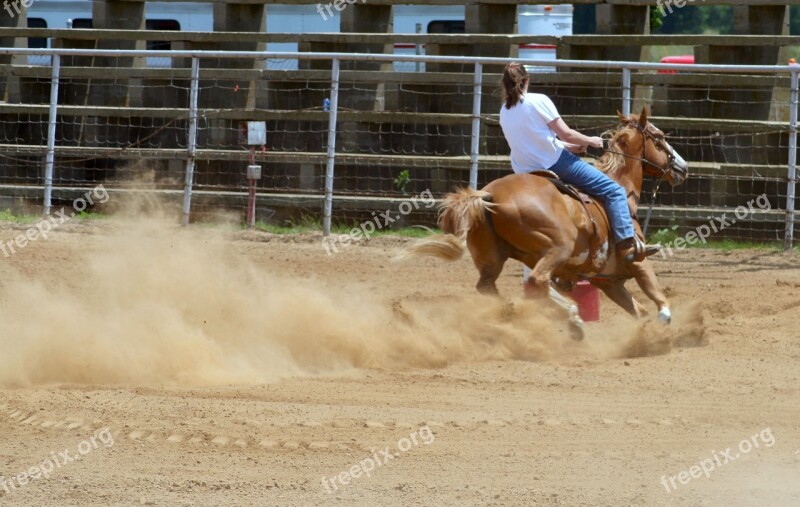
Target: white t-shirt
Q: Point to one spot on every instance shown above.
(534, 146)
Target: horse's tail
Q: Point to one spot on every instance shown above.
(459, 213)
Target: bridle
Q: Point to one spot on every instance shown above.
(662, 170)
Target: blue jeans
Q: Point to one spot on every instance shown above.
(591, 180)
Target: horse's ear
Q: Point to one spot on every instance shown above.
(622, 117)
(643, 117)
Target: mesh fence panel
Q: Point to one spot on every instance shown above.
(399, 135)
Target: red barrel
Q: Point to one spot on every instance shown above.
(587, 297)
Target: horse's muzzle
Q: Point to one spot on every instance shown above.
(678, 171)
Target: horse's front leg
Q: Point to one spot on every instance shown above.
(576, 325)
(540, 284)
(646, 278)
(616, 292)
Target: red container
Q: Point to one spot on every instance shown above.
(685, 59)
(587, 297)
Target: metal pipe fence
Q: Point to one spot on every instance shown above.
(409, 131)
(331, 149)
(791, 170)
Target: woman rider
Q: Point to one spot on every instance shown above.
(539, 139)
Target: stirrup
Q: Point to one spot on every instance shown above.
(646, 250)
(640, 251)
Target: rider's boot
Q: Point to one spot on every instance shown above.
(632, 250)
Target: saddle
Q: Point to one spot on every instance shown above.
(571, 191)
(564, 188)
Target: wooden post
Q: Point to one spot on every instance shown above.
(119, 15)
(610, 20)
(492, 19)
(354, 136)
(366, 18)
(225, 94)
(236, 18)
(9, 86)
(727, 103)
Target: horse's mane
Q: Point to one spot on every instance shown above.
(612, 161)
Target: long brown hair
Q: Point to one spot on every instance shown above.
(514, 78)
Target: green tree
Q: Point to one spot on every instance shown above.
(690, 19)
(794, 19)
(696, 20)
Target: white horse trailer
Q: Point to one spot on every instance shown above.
(531, 20)
(77, 14)
(553, 20)
(198, 16)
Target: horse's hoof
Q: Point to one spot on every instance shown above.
(576, 329)
(665, 316)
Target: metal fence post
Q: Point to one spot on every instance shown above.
(192, 141)
(791, 176)
(51, 135)
(476, 126)
(626, 91)
(418, 48)
(326, 220)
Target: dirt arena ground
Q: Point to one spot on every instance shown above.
(143, 364)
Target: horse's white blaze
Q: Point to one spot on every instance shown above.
(678, 159)
(577, 260)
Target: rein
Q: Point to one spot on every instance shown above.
(644, 160)
(662, 170)
(652, 203)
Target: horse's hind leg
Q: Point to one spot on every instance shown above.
(489, 257)
(489, 274)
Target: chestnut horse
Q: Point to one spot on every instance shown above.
(525, 217)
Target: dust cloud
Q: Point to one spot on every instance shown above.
(148, 302)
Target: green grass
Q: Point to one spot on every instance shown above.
(8, 216)
(667, 237)
(408, 232)
(727, 245)
(85, 215)
(305, 224)
(308, 225)
(664, 236)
